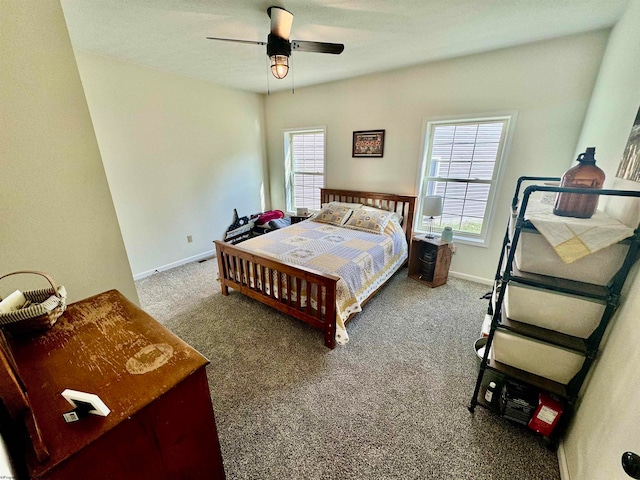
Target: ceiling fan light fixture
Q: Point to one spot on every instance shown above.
(279, 66)
(279, 46)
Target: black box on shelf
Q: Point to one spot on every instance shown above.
(518, 401)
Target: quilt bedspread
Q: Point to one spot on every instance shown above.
(362, 260)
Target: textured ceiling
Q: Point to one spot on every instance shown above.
(379, 35)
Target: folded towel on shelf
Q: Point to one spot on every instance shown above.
(575, 238)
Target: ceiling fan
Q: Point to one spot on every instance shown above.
(279, 46)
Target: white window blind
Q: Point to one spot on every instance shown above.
(462, 165)
(305, 168)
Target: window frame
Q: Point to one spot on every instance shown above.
(288, 163)
(509, 118)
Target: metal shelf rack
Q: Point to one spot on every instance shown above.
(506, 273)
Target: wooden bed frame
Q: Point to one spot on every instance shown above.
(237, 264)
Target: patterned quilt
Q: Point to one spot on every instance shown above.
(362, 260)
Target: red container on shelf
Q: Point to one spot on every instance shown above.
(546, 416)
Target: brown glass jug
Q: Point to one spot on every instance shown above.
(583, 175)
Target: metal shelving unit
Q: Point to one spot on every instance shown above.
(608, 295)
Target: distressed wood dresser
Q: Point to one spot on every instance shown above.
(161, 424)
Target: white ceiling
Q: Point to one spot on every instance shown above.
(378, 35)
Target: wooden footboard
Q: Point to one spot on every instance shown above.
(271, 282)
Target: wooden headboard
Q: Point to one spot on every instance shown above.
(402, 204)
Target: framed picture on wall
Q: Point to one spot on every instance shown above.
(368, 143)
(629, 168)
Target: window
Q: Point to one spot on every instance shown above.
(304, 168)
(462, 165)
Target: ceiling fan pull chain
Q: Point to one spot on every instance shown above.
(268, 69)
(293, 88)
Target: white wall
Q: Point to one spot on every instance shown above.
(180, 155)
(548, 83)
(607, 422)
(55, 206)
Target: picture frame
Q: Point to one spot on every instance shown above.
(368, 143)
(629, 167)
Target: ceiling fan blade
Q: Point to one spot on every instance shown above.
(317, 47)
(281, 21)
(237, 41)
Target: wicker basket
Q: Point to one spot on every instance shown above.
(47, 305)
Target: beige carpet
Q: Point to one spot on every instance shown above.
(391, 404)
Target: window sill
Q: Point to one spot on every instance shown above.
(475, 242)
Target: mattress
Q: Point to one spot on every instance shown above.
(364, 261)
(564, 313)
(535, 254)
(549, 361)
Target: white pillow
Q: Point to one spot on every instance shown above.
(395, 215)
(352, 206)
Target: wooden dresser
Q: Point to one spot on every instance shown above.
(161, 424)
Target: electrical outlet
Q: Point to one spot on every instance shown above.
(189, 239)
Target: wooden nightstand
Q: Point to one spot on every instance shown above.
(429, 261)
(299, 218)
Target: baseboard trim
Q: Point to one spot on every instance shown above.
(562, 462)
(471, 278)
(169, 266)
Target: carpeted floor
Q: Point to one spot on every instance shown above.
(391, 404)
